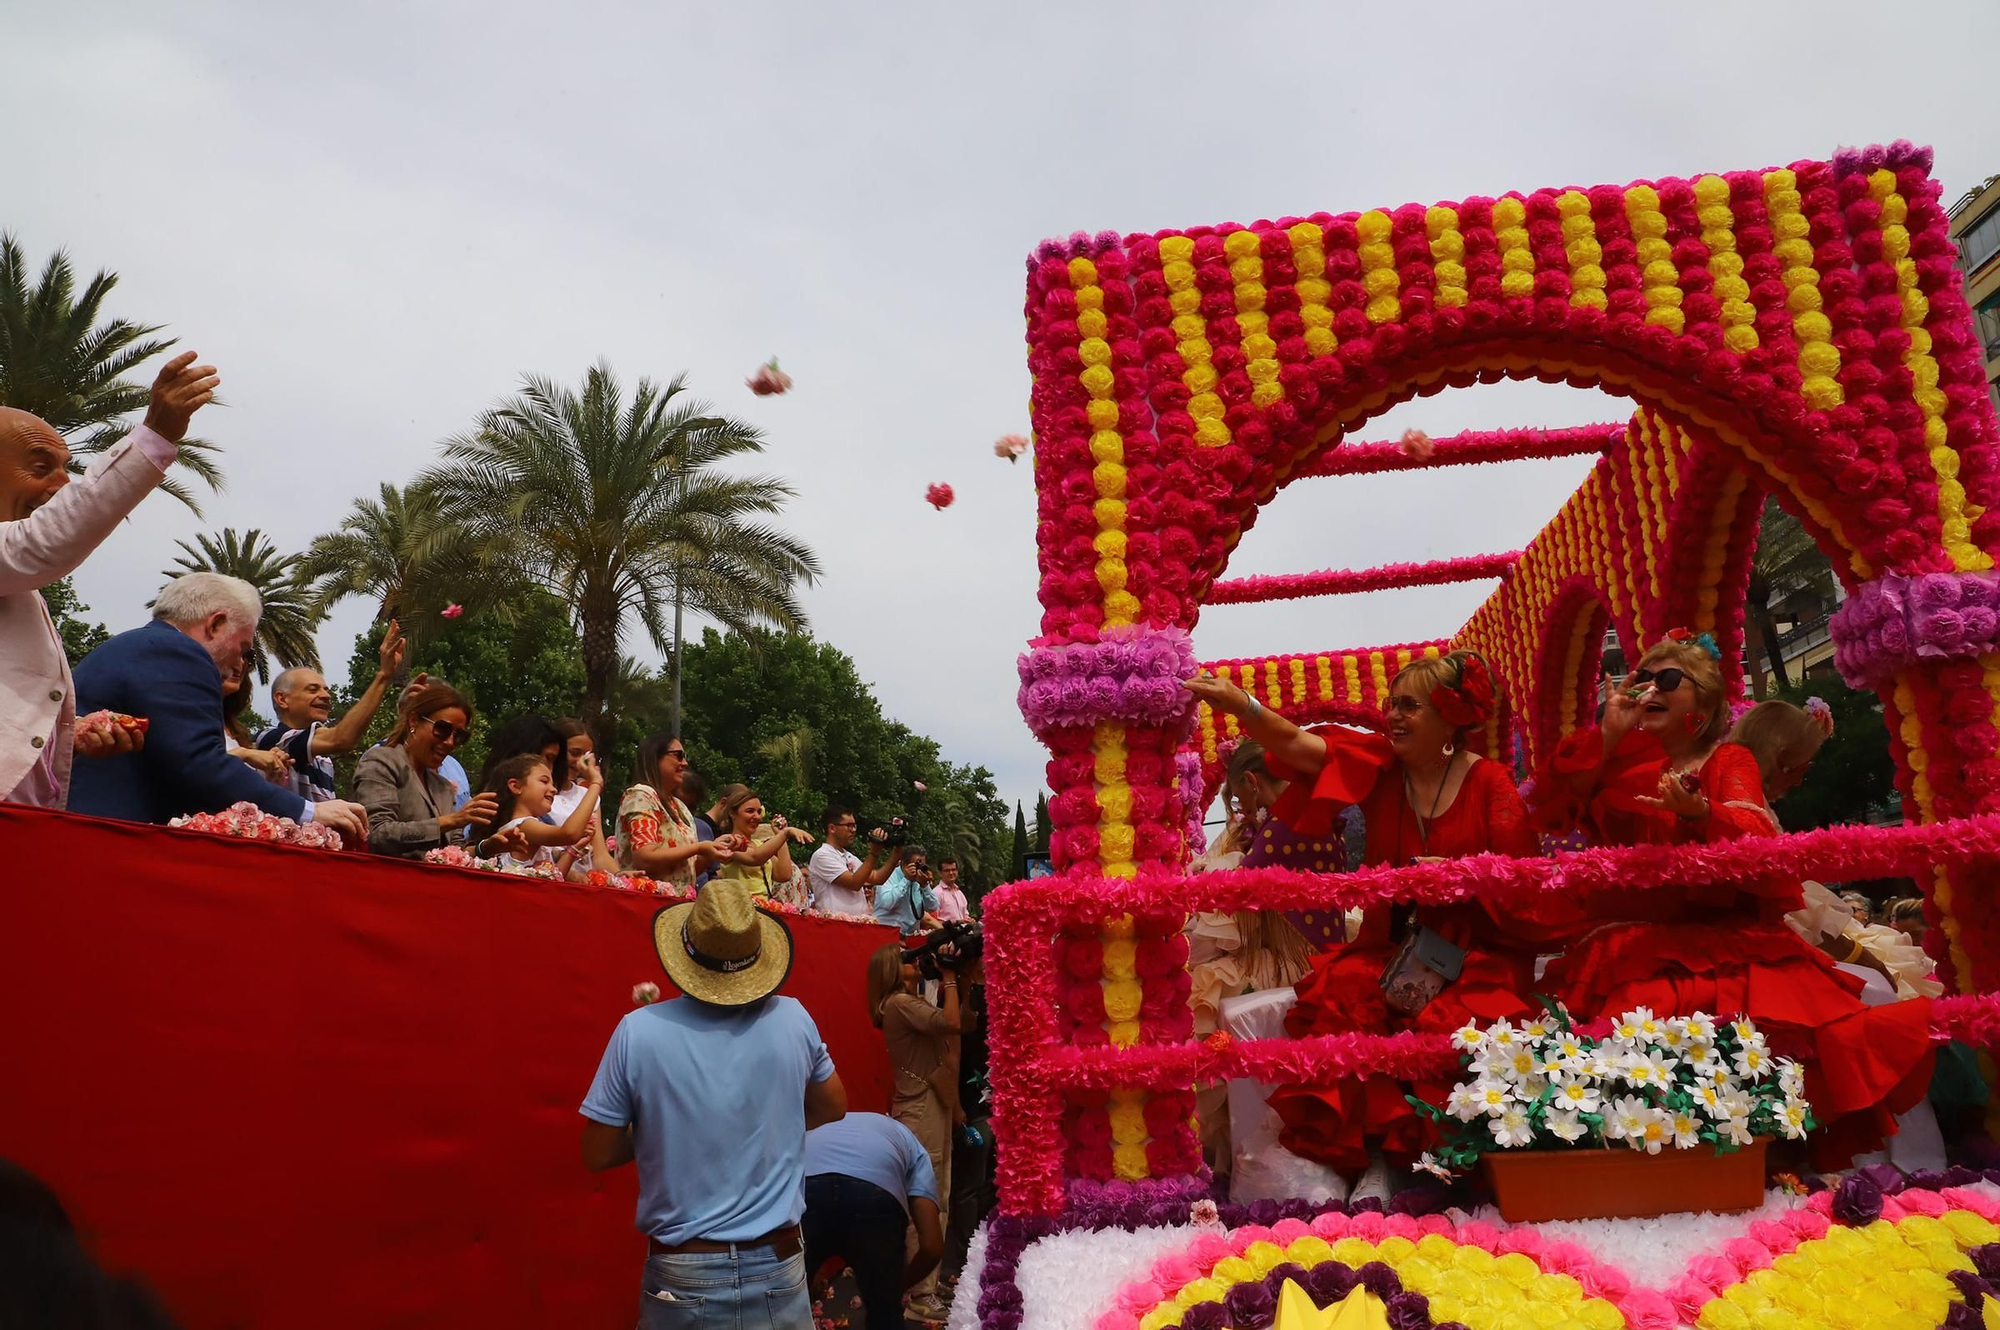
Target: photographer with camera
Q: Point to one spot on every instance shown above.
(906, 901)
(841, 883)
(923, 1054)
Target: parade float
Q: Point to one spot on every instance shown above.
(1797, 332)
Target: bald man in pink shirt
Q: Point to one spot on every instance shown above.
(49, 526)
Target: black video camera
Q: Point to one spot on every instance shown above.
(895, 833)
(964, 938)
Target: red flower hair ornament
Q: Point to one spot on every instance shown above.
(1468, 705)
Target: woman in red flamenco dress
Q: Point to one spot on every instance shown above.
(1658, 773)
(1423, 796)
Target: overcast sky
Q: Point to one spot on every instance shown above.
(373, 218)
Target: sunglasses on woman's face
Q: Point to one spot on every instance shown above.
(445, 732)
(678, 754)
(1405, 707)
(1665, 681)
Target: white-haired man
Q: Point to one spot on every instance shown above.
(170, 672)
(306, 732)
(48, 526)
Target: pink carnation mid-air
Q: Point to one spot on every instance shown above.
(451, 611)
(1417, 445)
(769, 380)
(1011, 446)
(644, 994)
(939, 497)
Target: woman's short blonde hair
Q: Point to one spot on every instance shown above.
(1705, 673)
(1427, 674)
(1783, 737)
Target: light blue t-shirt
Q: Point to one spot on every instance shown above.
(875, 1149)
(454, 772)
(716, 1097)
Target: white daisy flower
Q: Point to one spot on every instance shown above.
(1520, 1064)
(1736, 1130)
(1576, 1095)
(1753, 1062)
(1538, 1028)
(1626, 1118)
(1700, 1055)
(1656, 1133)
(1711, 1101)
(1468, 1038)
(1686, 1130)
(1511, 1127)
(1569, 1050)
(1648, 1070)
(1699, 1028)
(1492, 1096)
(1792, 1119)
(1791, 1078)
(1636, 1026)
(1566, 1126)
(1501, 1035)
(1427, 1163)
(1747, 1034)
(1464, 1103)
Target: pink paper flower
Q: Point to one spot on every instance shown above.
(1011, 446)
(939, 496)
(769, 380)
(1203, 1212)
(451, 611)
(645, 993)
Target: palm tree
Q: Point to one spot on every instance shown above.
(1787, 558)
(617, 507)
(398, 551)
(291, 611)
(962, 835)
(58, 362)
(792, 751)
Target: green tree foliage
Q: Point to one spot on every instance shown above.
(1786, 559)
(506, 665)
(1853, 779)
(1043, 826)
(618, 506)
(291, 612)
(397, 551)
(1021, 842)
(58, 362)
(80, 637)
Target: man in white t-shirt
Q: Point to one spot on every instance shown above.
(841, 883)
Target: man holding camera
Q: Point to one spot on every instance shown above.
(841, 883)
(906, 902)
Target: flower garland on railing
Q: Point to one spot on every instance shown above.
(1473, 447)
(1348, 581)
(244, 820)
(1128, 674)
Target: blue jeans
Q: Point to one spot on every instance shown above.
(748, 1289)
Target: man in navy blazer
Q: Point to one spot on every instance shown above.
(170, 672)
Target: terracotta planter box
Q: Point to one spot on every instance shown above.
(1533, 1186)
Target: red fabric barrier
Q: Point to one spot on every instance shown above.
(294, 1089)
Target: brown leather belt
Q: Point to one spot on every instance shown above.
(783, 1243)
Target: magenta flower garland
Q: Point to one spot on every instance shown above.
(1348, 581)
(1129, 674)
(1889, 623)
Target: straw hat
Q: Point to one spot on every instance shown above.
(720, 948)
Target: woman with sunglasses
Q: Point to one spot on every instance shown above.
(1423, 796)
(1660, 773)
(409, 801)
(656, 832)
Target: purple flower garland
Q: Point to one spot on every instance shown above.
(1894, 620)
(1130, 674)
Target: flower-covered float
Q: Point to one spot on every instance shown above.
(1797, 332)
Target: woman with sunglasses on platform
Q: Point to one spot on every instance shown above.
(409, 802)
(656, 832)
(1423, 796)
(1661, 773)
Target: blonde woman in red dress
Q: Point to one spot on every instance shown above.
(1659, 772)
(1423, 796)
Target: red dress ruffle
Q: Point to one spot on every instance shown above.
(1343, 993)
(1726, 950)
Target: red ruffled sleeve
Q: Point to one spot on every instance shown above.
(1354, 762)
(1580, 789)
(1735, 789)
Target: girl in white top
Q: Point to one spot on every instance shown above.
(577, 745)
(519, 838)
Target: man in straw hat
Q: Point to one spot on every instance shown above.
(712, 1093)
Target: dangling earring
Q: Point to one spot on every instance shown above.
(1695, 724)
(1450, 749)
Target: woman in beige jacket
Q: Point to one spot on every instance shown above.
(409, 802)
